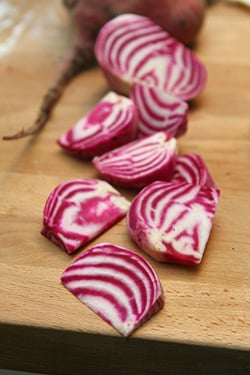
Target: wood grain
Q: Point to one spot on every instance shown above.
(207, 306)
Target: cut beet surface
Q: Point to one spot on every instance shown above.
(133, 49)
(158, 111)
(110, 124)
(77, 211)
(117, 284)
(139, 162)
(192, 168)
(172, 221)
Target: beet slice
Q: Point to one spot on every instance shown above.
(159, 111)
(132, 48)
(172, 221)
(139, 162)
(110, 124)
(118, 284)
(77, 211)
(192, 168)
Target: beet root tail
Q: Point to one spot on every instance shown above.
(79, 60)
(49, 101)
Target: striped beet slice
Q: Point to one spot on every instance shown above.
(172, 221)
(159, 111)
(139, 162)
(78, 210)
(110, 124)
(132, 48)
(192, 168)
(119, 285)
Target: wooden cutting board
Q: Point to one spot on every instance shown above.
(207, 306)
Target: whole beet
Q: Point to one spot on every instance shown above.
(182, 19)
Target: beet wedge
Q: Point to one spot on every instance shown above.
(172, 221)
(132, 48)
(110, 124)
(77, 211)
(192, 168)
(119, 285)
(139, 162)
(159, 111)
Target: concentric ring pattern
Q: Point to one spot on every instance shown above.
(139, 162)
(116, 283)
(134, 49)
(159, 111)
(192, 168)
(172, 221)
(110, 124)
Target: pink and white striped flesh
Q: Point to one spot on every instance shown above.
(172, 221)
(118, 284)
(159, 111)
(110, 124)
(139, 162)
(192, 168)
(77, 211)
(132, 48)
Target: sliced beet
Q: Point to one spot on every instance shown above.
(172, 221)
(132, 48)
(139, 162)
(118, 284)
(192, 168)
(110, 124)
(159, 111)
(77, 211)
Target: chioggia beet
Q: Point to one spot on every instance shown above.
(118, 284)
(159, 111)
(192, 168)
(182, 19)
(172, 221)
(77, 211)
(132, 48)
(140, 162)
(110, 124)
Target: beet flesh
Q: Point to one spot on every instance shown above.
(172, 221)
(116, 283)
(110, 124)
(77, 211)
(140, 162)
